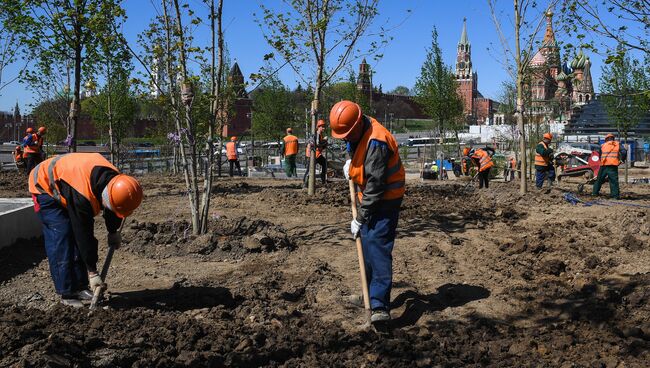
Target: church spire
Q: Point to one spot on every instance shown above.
(549, 35)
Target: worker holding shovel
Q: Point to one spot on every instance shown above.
(377, 171)
(68, 192)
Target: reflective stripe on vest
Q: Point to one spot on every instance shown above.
(73, 168)
(609, 153)
(541, 160)
(290, 145)
(231, 151)
(395, 175)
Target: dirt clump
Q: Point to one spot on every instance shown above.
(13, 184)
(227, 238)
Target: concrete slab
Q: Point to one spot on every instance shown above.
(17, 220)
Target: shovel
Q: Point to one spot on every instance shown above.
(362, 262)
(99, 292)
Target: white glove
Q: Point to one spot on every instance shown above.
(346, 169)
(114, 240)
(355, 228)
(96, 282)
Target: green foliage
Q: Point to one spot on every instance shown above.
(435, 88)
(401, 90)
(272, 110)
(624, 85)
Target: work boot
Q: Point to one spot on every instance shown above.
(71, 301)
(379, 316)
(85, 295)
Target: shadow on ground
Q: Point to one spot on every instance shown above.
(23, 255)
(175, 299)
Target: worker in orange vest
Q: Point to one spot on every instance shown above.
(482, 158)
(290, 151)
(611, 155)
(18, 157)
(378, 173)
(465, 162)
(544, 168)
(33, 143)
(68, 192)
(321, 146)
(232, 155)
(513, 167)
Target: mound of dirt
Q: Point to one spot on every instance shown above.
(227, 238)
(13, 184)
(334, 194)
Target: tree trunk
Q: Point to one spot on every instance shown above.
(627, 159)
(314, 118)
(520, 102)
(110, 111)
(215, 109)
(75, 106)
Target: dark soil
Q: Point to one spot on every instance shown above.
(13, 184)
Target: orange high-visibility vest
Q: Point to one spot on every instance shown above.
(485, 161)
(319, 151)
(513, 163)
(231, 150)
(395, 175)
(541, 160)
(609, 153)
(290, 145)
(73, 168)
(34, 147)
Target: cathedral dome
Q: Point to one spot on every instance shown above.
(562, 77)
(579, 61)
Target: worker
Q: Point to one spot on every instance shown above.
(611, 155)
(233, 156)
(434, 170)
(33, 144)
(543, 166)
(455, 166)
(482, 158)
(465, 162)
(289, 151)
(378, 173)
(513, 167)
(68, 192)
(18, 157)
(321, 146)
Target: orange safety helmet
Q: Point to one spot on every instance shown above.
(610, 135)
(122, 195)
(289, 130)
(548, 136)
(29, 131)
(19, 148)
(233, 138)
(344, 117)
(42, 130)
(321, 123)
(465, 151)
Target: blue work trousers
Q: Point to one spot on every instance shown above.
(377, 239)
(542, 174)
(66, 267)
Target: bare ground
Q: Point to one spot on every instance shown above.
(483, 278)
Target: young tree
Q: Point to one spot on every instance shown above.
(401, 90)
(624, 92)
(319, 38)
(58, 31)
(436, 90)
(9, 44)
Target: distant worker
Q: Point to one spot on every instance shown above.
(455, 166)
(377, 171)
(233, 155)
(513, 168)
(466, 162)
(33, 152)
(544, 168)
(68, 192)
(434, 170)
(290, 151)
(321, 146)
(611, 155)
(482, 158)
(18, 158)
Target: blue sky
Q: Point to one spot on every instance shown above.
(402, 58)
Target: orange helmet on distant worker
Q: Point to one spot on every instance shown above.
(19, 148)
(548, 136)
(42, 130)
(233, 138)
(29, 131)
(321, 123)
(610, 136)
(122, 195)
(465, 151)
(289, 130)
(344, 117)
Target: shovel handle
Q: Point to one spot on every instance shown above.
(362, 261)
